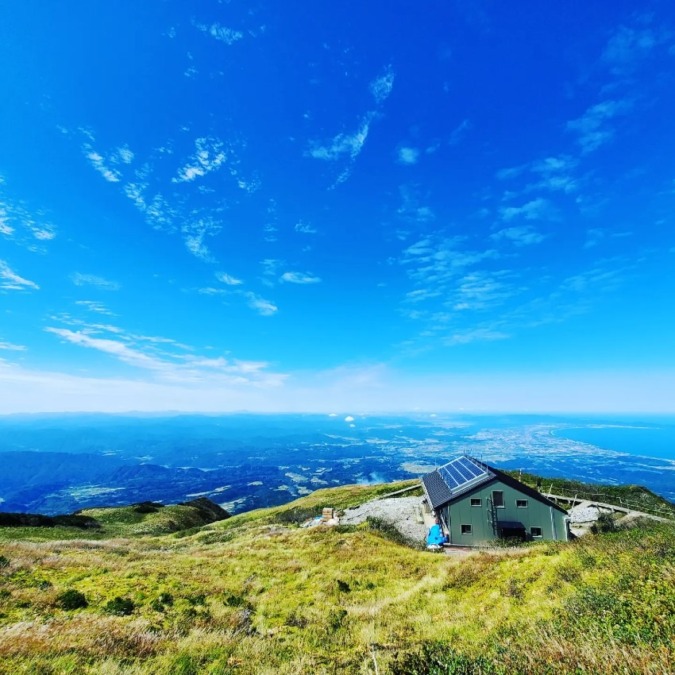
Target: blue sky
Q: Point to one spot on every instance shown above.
(349, 206)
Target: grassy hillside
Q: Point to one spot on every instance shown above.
(136, 520)
(257, 594)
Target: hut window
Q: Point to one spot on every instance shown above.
(467, 529)
(536, 531)
(521, 503)
(475, 501)
(498, 499)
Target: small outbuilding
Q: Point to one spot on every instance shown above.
(476, 504)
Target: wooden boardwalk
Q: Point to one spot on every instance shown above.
(629, 513)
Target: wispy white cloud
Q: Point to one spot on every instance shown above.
(630, 45)
(524, 235)
(156, 209)
(408, 155)
(271, 266)
(602, 277)
(459, 132)
(196, 231)
(594, 128)
(152, 354)
(11, 281)
(94, 306)
(98, 162)
(221, 33)
(305, 228)
(475, 335)
(594, 236)
(412, 208)
(115, 348)
(11, 347)
(209, 290)
(343, 145)
(209, 156)
(93, 280)
(480, 290)
(382, 86)
(299, 278)
(5, 227)
(24, 225)
(125, 155)
(535, 209)
(435, 262)
(260, 305)
(228, 279)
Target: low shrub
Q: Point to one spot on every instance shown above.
(119, 606)
(439, 658)
(71, 599)
(604, 523)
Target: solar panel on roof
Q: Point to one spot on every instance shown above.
(470, 467)
(463, 470)
(448, 477)
(456, 475)
(474, 470)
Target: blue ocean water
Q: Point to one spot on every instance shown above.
(647, 440)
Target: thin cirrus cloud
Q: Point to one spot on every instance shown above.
(221, 33)
(436, 260)
(475, 335)
(167, 365)
(408, 155)
(209, 156)
(382, 86)
(305, 228)
(628, 46)
(535, 209)
(348, 146)
(552, 174)
(5, 227)
(344, 144)
(261, 305)
(594, 128)
(22, 225)
(94, 306)
(11, 281)
(80, 279)
(299, 278)
(11, 347)
(228, 279)
(194, 235)
(519, 236)
(170, 212)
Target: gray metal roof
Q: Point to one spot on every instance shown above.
(457, 476)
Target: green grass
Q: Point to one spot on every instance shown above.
(124, 521)
(257, 594)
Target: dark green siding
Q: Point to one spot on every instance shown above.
(484, 519)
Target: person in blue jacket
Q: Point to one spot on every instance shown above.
(436, 536)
